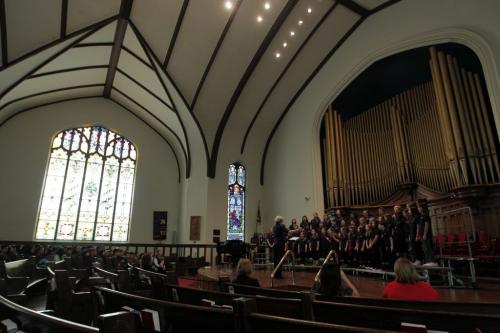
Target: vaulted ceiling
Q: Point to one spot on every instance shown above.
(220, 63)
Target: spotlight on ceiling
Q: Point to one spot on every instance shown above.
(267, 6)
(285, 44)
(301, 22)
(309, 10)
(259, 18)
(228, 5)
(292, 33)
(277, 55)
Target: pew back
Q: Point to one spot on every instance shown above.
(248, 321)
(29, 320)
(391, 318)
(174, 317)
(461, 307)
(298, 308)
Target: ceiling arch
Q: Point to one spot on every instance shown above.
(238, 64)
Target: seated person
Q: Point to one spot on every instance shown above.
(244, 269)
(330, 283)
(408, 284)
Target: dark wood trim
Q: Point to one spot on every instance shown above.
(157, 132)
(145, 88)
(214, 53)
(36, 68)
(150, 54)
(176, 33)
(278, 80)
(383, 6)
(287, 9)
(355, 7)
(313, 74)
(92, 28)
(121, 29)
(133, 54)
(45, 104)
(301, 89)
(74, 69)
(46, 92)
(64, 17)
(3, 31)
(155, 117)
(94, 44)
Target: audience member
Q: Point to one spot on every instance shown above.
(330, 284)
(243, 271)
(408, 284)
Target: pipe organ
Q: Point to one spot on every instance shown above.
(437, 134)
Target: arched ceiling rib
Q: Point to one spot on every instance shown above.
(80, 69)
(222, 64)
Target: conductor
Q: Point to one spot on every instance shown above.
(280, 235)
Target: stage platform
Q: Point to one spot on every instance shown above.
(368, 286)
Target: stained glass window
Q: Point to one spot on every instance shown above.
(236, 202)
(88, 188)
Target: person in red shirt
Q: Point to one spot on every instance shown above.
(408, 284)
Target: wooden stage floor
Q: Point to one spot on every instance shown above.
(488, 291)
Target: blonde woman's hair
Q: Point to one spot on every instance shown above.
(244, 267)
(405, 271)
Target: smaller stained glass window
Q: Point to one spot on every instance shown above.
(236, 202)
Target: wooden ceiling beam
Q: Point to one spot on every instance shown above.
(121, 29)
(64, 18)
(3, 31)
(355, 7)
(176, 33)
(275, 28)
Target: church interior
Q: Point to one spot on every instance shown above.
(254, 165)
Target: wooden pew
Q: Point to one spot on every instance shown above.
(462, 307)
(69, 304)
(27, 268)
(33, 321)
(248, 320)
(14, 285)
(299, 308)
(158, 281)
(175, 316)
(250, 290)
(120, 280)
(391, 318)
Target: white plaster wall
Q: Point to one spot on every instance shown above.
(293, 168)
(25, 141)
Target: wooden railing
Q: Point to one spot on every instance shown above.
(181, 250)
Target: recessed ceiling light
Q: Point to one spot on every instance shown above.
(292, 33)
(267, 6)
(228, 4)
(285, 44)
(278, 54)
(259, 18)
(309, 10)
(301, 22)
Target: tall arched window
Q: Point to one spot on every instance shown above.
(236, 202)
(88, 187)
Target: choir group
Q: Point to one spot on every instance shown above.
(360, 240)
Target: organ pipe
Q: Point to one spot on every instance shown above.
(436, 134)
